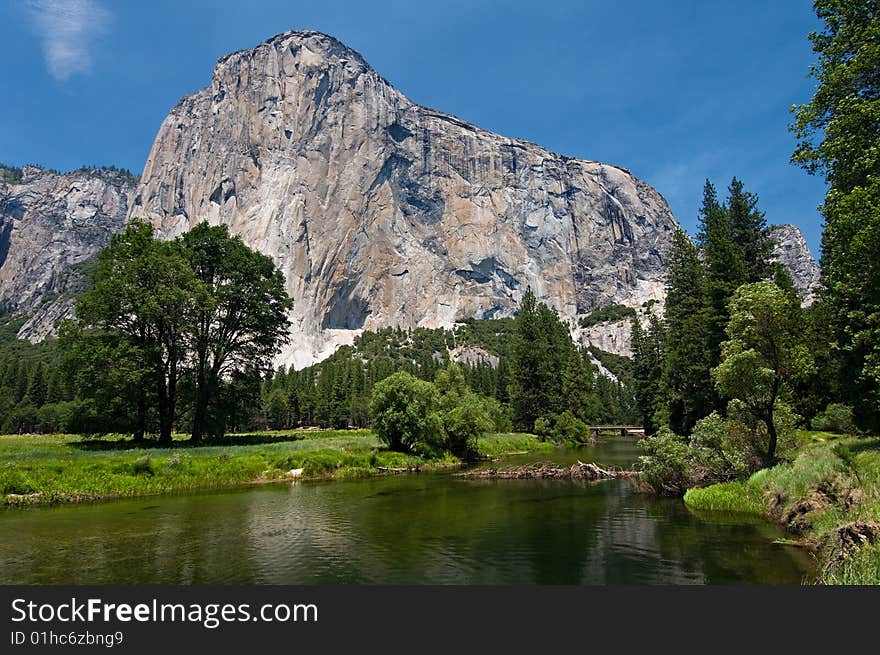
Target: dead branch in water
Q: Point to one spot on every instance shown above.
(579, 471)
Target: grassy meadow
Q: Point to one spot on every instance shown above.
(46, 469)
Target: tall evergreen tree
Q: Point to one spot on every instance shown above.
(749, 231)
(647, 347)
(540, 349)
(838, 133)
(36, 391)
(725, 266)
(686, 381)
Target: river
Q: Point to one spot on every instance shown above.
(407, 529)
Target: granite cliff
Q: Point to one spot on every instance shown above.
(51, 225)
(379, 212)
(383, 212)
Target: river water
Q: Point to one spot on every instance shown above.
(408, 529)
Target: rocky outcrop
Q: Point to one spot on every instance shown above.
(381, 212)
(792, 252)
(473, 356)
(610, 336)
(51, 225)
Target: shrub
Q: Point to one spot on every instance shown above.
(142, 466)
(708, 460)
(464, 424)
(405, 417)
(571, 429)
(565, 427)
(837, 418)
(665, 465)
(543, 427)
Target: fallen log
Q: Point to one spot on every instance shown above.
(579, 471)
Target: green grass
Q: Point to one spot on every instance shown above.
(498, 445)
(737, 497)
(833, 481)
(862, 569)
(46, 469)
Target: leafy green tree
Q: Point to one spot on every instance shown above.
(405, 413)
(838, 132)
(144, 290)
(763, 355)
(465, 415)
(686, 380)
(243, 321)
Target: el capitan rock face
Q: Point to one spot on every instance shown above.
(50, 225)
(382, 212)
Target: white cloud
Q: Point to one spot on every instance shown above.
(67, 30)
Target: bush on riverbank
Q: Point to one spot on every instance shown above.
(836, 418)
(829, 495)
(717, 450)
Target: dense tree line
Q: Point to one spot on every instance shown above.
(674, 356)
(35, 394)
(99, 381)
(838, 135)
(722, 376)
(531, 369)
(735, 362)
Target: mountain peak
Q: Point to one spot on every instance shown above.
(316, 44)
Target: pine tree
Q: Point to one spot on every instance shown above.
(36, 391)
(686, 381)
(539, 354)
(577, 385)
(647, 347)
(749, 231)
(725, 266)
(525, 396)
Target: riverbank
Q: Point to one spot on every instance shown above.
(828, 498)
(61, 468)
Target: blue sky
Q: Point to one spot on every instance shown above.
(675, 91)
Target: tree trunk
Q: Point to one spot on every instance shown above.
(172, 395)
(164, 410)
(771, 424)
(771, 446)
(141, 426)
(200, 407)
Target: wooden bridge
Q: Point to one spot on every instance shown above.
(623, 430)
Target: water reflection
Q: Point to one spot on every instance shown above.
(402, 530)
